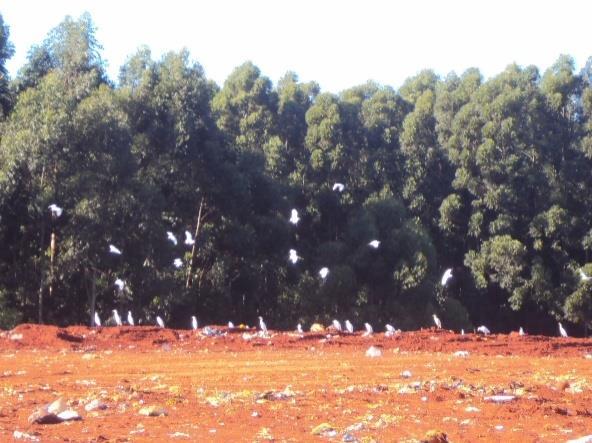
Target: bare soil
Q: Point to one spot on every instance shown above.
(238, 387)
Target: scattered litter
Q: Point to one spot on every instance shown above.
(500, 398)
(406, 374)
(499, 428)
(18, 435)
(94, 405)
(463, 354)
(152, 411)
(275, 395)
(472, 409)
(179, 435)
(584, 439)
(373, 352)
(324, 429)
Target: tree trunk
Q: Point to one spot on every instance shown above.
(40, 296)
(189, 281)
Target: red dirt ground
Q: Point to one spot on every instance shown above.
(230, 389)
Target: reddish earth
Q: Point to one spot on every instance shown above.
(281, 388)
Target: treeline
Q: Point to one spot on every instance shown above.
(490, 178)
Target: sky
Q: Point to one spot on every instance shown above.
(338, 44)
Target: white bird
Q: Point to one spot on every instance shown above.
(390, 328)
(521, 331)
(337, 325)
(462, 332)
(374, 244)
(437, 322)
(97, 320)
(178, 263)
(324, 272)
(159, 321)
(117, 318)
(120, 284)
(56, 211)
(230, 325)
(294, 219)
(299, 328)
(562, 331)
(193, 322)
(114, 250)
(293, 257)
(483, 330)
(130, 319)
(349, 327)
(446, 276)
(262, 325)
(171, 237)
(583, 276)
(338, 187)
(189, 240)
(369, 329)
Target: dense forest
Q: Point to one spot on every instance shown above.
(490, 178)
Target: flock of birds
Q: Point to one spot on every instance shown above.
(293, 257)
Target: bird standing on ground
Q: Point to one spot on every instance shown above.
(299, 328)
(349, 327)
(294, 219)
(483, 330)
(230, 325)
(97, 320)
(172, 238)
(446, 276)
(130, 319)
(339, 187)
(324, 272)
(116, 317)
(114, 250)
(262, 325)
(337, 325)
(374, 244)
(193, 322)
(56, 211)
(437, 322)
(521, 331)
(562, 330)
(159, 321)
(189, 240)
(369, 329)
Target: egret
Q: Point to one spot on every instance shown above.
(171, 237)
(521, 331)
(114, 250)
(178, 263)
(262, 325)
(583, 276)
(462, 332)
(97, 320)
(120, 284)
(338, 187)
(562, 331)
(337, 325)
(159, 322)
(189, 240)
(193, 322)
(374, 244)
(369, 329)
(349, 327)
(299, 328)
(293, 257)
(390, 328)
(294, 219)
(230, 325)
(117, 318)
(56, 211)
(130, 319)
(324, 272)
(446, 276)
(437, 322)
(483, 330)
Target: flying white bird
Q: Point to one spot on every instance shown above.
(324, 272)
(349, 327)
(521, 331)
(294, 257)
(583, 276)
(446, 276)
(294, 219)
(230, 325)
(262, 325)
(483, 330)
(374, 244)
(337, 325)
(369, 329)
(562, 331)
(299, 328)
(178, 263)
(130, 319)
(116, 317)
(338, 187)
(120, 284)
(193, 322)
(159, 322)
(97, 320)
(56, 211)
(437, 322)
(114, 250)
(189, 240)
(172, 238)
